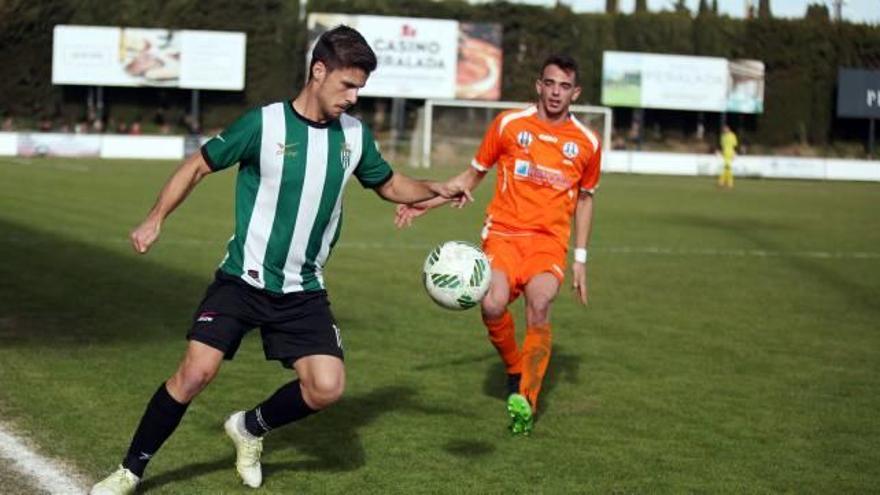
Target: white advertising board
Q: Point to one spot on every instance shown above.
(113, 56)
(417, 58)
(677, 82)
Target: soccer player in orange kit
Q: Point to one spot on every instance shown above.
(548, 170)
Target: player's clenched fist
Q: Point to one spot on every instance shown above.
(144, 235)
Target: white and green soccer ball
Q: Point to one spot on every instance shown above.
(456, 275)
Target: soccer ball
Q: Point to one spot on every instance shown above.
(456, 275)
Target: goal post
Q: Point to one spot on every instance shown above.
(462, 123)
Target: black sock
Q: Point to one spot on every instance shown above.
(159, 421)
(285, 406)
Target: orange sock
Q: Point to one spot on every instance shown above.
(535, 358)
(502, 334)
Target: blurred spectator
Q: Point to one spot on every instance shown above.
(159, 117)
(45, 124)
(98, 126)
(190, 124)
(161, 122)
(135, 128)
(81, 127)
(121, 127)
(8, 124)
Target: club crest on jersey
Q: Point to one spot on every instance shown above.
(286, 149)
(345, 156)
(570, 149)
(524, 139)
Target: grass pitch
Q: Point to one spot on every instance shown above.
(730, 346)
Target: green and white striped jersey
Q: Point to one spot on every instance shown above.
(288, 195)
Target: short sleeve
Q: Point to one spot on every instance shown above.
(372, 171)
(238, 142)
(490, 149)
(590, 176)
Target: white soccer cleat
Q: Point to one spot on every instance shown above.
(248, 449)
(121, 482)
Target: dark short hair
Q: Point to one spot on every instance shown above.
(564, 62)
(341, 48)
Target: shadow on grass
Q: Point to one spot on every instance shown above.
(61, 292)
(759, 232)
(469, 448)
(190, 471)
(326, 442)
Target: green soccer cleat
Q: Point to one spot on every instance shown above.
(521, 418)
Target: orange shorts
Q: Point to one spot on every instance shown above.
(522, 257)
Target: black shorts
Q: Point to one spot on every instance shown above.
(292, 325)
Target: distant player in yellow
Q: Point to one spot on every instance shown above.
(728, 151)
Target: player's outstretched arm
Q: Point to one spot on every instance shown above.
(403, 189)
(405, 213)
(173, 193)
(583, 225)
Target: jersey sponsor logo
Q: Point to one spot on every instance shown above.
(345, 156)
(206, 316)
(570, 149)
(524, 138)
(254, 274)
(548, 138)
(286, 149)
(521, 168)
(541, 175)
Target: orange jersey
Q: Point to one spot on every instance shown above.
(541, 167)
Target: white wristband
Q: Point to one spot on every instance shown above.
(580, 255)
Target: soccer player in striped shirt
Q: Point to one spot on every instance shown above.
(295, 158)
(548, 170)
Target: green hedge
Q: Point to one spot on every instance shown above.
(801, 56)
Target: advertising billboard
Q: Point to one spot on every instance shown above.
(113, 56)
(858, 93)
(424, 58)
(479, 61)
(676, 82)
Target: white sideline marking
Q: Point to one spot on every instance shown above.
(757, 253)
(42, 472)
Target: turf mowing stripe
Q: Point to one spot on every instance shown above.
(740, 253)
(45, 473)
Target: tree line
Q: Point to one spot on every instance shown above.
(801, 56)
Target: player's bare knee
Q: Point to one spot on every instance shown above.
(321, 392)
(493, 307)
(189, 381)
(538, 311)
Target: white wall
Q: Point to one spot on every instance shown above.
(777, 167)
(104, 146)
(154, 147)
(8, 144)
(636, 162)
